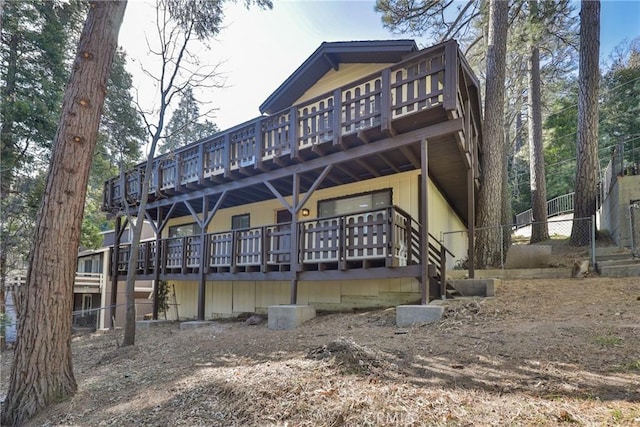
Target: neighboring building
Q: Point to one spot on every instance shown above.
(92, 296)
(92, 290)
(619, 211)
(320, 200)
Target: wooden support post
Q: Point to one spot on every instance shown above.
(385, 101)
(337, 117)
(156, 270)
(202, 283)
(424, 221)
(294, 237)
(114, 272)
(293, 132)
(259, 148)
(443, 272)
(451, 75)
(200, 164)
(471, 222)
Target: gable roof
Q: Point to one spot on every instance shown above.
(331, 55)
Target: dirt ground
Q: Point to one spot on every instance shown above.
(542, 352)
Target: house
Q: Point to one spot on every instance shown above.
(334, 197)
(619, 211)
(92, 289)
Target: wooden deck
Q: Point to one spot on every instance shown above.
(433, 89)
(386, 237)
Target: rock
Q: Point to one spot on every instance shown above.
(254, 320)
(580, 269)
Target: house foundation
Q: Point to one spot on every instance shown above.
(475, 287)
(148, 324)
(195, 324)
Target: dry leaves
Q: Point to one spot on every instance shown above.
(558, 352)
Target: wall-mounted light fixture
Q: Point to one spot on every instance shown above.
(305, 212)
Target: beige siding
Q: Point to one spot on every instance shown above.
(186, 298)
(226, 299)
(244, 297)
(405, 195)
(347, 73)
(231, 298)
(319, 292)
(271, 293)
(219, 299)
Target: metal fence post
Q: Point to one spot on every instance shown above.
(501, 248)
(593, 240)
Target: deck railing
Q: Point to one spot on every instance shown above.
(424, 81)
(382, 237)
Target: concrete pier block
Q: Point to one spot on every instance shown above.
(475, 287)
(196, 324)
(408, 315)
(148, 324)
(289, 316)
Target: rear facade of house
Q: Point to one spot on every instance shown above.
(335, 197)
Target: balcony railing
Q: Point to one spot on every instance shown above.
(383, 237)
(425, 81)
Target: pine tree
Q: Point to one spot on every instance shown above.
(185, 127)
(587, 141)
(42, 369)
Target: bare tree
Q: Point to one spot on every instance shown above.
(42, 369)
(488, 239)
(587, 141)
(179, 24)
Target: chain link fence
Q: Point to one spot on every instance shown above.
(558, 244)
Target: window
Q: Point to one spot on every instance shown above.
(283, 216)
(355, 203)
(86, 304)
(240, 221)
(184, 230)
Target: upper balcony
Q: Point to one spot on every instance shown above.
(433, 88)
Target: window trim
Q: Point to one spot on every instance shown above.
(233, 218)
(388, 190)
(194, 226)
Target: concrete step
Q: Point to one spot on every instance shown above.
(614, 257)
(626, 270)
(612, 253)
(618, 262)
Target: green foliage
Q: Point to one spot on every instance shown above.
(620, 110)
(560, 129)
(163, 296)
(203, 17)
(183, 127)
(608, 340)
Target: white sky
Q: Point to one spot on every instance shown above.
(261, 48)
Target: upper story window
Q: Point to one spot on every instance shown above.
(184, 230)
(355, 203)
(239, 222)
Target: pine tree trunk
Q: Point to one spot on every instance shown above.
(42, 370)
(587, 141)
(506, 217)
(537, 182)
(488, 242)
